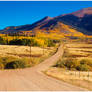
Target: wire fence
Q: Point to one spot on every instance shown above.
(82, 75)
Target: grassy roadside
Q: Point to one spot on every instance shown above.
(67, 71)
(69, 77)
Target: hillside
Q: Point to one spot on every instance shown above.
(67, 24)
(82, 20)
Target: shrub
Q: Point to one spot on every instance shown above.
(56, 41)
(6, 60)
(16, 42)
(73, 64)
(2, 41)
(15, 64)
(86, 61)
(68, 63)
(26, 42)
(34, 42)
(83, 67)
(60, 64)
(1, 65)
(50, 43)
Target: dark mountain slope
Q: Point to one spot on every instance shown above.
(80, 20)
(13, 29)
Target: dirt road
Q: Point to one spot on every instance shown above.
(33, 78)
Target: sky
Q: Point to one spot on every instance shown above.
(15, 13)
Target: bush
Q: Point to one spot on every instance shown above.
(68, 63)
(21, 42)
(50, 43)
(6, 60)
(83, 67)
(86, 61)
(73, 64)
(2, 41)
(60, 64)
(34, 42)
(26, 42)
(16, 42)
(15, 64)
(1, 65)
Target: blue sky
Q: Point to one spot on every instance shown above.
(14, 13)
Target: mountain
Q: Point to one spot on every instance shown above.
(83, 12)
(82, 20)
(79, 21)
(28, 27)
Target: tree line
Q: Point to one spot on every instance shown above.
(27, 42)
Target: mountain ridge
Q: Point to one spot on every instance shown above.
(80, 20)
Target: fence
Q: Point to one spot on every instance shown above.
(79, 75)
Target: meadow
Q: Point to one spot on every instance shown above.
(24, 51)
(23, 55)
(75, 66)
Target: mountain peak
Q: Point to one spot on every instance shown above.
(89, 8)
(47, 18)
(83, 12)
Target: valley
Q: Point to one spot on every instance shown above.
(51, 54)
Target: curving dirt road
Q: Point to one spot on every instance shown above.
(33, 78)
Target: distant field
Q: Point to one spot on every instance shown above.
(79, 50)
(23, 51)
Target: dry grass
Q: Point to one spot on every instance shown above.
(74, 77)
(23, 52)
(77, 51)
(10, 50)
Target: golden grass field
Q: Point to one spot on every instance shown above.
(80, 78)
(10, 50)
(79, 50)
(23, 52)
(71, 77)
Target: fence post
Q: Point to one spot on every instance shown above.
(75, 73)
(88, 75)
(79, 74)
(88, 78)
